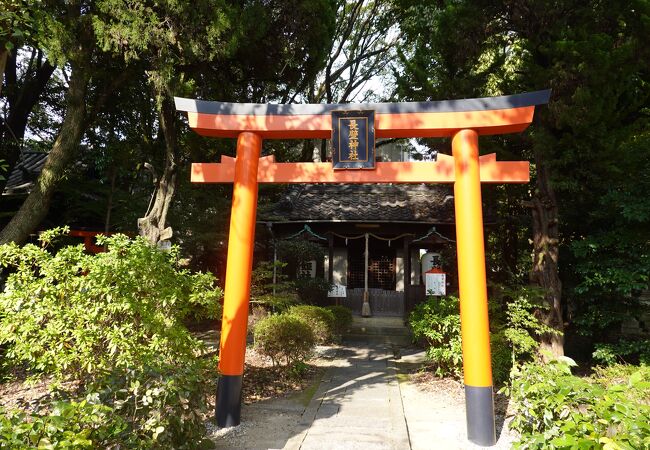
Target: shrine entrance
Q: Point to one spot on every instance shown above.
(353, 129)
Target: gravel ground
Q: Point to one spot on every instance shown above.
(435, 415)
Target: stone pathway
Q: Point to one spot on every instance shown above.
(359, 404)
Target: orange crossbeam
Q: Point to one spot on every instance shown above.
(441, 171)
(404, 125)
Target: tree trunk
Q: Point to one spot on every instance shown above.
(546, 255)
(510, 241)
(109, 205)
(21, 99)
(152, 225)
(4, 55)
(35, 207)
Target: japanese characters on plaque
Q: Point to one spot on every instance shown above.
(353, 139)
(435, 283)
(337, 290)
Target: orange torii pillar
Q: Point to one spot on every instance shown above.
(474, 322)
(241, 241)
(461, 120)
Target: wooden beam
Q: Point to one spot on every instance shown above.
(406, 125)
(488, 115)
(441, 171)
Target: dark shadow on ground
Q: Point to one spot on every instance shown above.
(501, 403)
(283, 422)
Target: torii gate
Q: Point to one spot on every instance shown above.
(462, 120)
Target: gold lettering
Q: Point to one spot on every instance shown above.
(353, 142)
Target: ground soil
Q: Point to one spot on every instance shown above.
(435, 410)
(33, 396)
(263, 381)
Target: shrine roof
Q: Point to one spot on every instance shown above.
(22, 177)
(388, 203)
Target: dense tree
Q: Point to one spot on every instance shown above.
(177, 48)
(68, 35)
(592, 55)
(359, 53)
(94, 79)
(25, 79)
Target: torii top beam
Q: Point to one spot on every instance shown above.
(490, 115)
(486, 116)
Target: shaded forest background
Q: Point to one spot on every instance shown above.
(91, 83)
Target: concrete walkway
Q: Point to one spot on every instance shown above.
(357, 406)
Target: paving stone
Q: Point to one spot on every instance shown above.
(361, 407)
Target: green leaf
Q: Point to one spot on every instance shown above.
(636, 378)
(568, 361)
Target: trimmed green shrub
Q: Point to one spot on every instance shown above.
(555, 409)
(342, 318)
(437, 323)
(319, 319)
(81, 316)
(312, 290)
(284, 337)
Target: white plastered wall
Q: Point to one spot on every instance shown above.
(399, 270)
(340, 272)
(415, 268)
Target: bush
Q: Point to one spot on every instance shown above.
(113, 322)
(284, 337)
(262, 288)
(162, 406)
(278, 303)
(513, 314)
(437, 322)
(522, 326)
(312, 290)
(320, 320)
(623, 352)
(516, 328)
(75, 315)
(501, 357)
(134, 409)
(342, 318)
(554, 409)
(297, 252)
(78, 425)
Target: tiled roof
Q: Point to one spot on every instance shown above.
(432, 204)
(22, 177)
